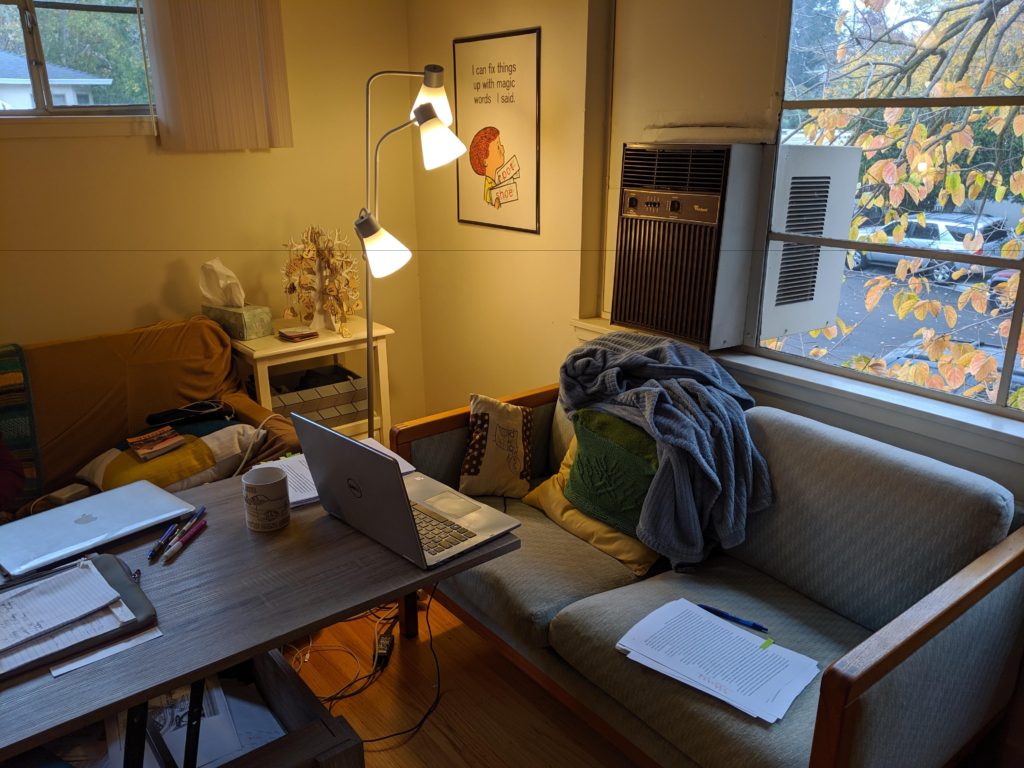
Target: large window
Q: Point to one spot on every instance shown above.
(71, 57)
(931, 93)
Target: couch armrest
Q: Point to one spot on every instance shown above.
(435, 444)
(956, 652)
(281, 436)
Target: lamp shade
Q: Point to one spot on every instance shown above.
(440, 145)
(384, 252)
(436, 97)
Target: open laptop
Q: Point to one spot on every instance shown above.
(48, 537)
(414, 516)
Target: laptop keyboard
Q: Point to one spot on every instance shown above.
(438, 533)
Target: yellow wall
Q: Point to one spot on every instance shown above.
(497, 303)
(703, 73)
(102, 234)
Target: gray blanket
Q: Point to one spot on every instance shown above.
(710, 474)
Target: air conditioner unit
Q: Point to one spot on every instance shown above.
(815, 192)
(688, 214)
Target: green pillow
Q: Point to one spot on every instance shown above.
(615, 464)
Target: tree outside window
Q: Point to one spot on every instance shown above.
(931, 92)
(72, 56)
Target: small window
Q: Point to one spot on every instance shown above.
(85, 57)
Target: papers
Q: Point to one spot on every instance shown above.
(44, 604)
(404, 466)
(107, 650)
(302, 490)
(168, 721)
(55, 612)
(745, 670)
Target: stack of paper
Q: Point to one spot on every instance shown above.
(745, 670)
(56, 612)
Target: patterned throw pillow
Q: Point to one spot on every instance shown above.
(615, 464)
(549, 497)
(497, 460)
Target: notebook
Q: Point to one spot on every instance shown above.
(414, 516)
(47, 537)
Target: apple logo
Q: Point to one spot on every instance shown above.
(84, 519)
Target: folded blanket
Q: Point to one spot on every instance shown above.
(710, 474)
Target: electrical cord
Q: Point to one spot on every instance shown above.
(256, 436)
(437, 682)
(385, 619)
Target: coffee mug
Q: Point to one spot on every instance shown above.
(265, 491)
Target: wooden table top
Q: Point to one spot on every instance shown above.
(228, 596)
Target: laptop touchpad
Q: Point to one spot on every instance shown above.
(451, 504)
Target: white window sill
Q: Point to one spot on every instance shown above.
(78, 126)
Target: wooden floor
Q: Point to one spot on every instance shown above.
(490, 713)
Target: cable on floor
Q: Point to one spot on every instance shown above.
(437, 683)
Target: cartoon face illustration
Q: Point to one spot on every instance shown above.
(486, 153)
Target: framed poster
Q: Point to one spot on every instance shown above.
(497, 116)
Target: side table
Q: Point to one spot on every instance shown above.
(263, 353)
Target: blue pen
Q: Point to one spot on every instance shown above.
(736, 619)
(154, 553)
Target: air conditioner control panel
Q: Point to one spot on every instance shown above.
(681, 206)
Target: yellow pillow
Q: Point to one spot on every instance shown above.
(549, 497)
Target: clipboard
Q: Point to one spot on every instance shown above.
(117, 574)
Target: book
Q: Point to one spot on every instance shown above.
(149, 445)
(298, 333)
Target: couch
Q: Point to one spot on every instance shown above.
(83, 396)
(892, 570)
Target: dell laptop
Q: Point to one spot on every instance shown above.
(414, 516)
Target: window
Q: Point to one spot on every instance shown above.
(931, 235)
(72, 57)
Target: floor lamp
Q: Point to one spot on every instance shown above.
(382, 251)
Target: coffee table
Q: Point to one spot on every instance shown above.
(231, 595)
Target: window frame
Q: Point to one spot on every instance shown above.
(42, 93)
(786, 105)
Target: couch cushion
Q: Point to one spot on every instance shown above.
(886, 528)
(549, 497)
(708, 731)
(615, 463)
(523, 590)
(498, 457)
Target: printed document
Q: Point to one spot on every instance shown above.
(746, 670)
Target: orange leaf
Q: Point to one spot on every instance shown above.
(818, 352)
(903, 302)
(952, 373)
(950, 315)
(873, 296)
(1018, 125)
(830, 332)
(1011, 248)
(890, 172)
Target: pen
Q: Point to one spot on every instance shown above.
(736, 619)
(196, 516)
(181, 543)
(154, 553)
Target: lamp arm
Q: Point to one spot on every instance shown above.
(370, 80)
(376, 164)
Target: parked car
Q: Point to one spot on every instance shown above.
(960, 225)
(935, 234)
(911, 352)
(999, 298)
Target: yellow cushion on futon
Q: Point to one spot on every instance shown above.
(549, 497)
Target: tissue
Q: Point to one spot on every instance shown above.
(224, 302)
(220, 285)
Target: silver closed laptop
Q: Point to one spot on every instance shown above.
(414, 516)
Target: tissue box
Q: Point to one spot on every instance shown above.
(248, 322)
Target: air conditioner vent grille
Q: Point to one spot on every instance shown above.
(805, 215)
(808, 203)
(798, 273)
(678, 169)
